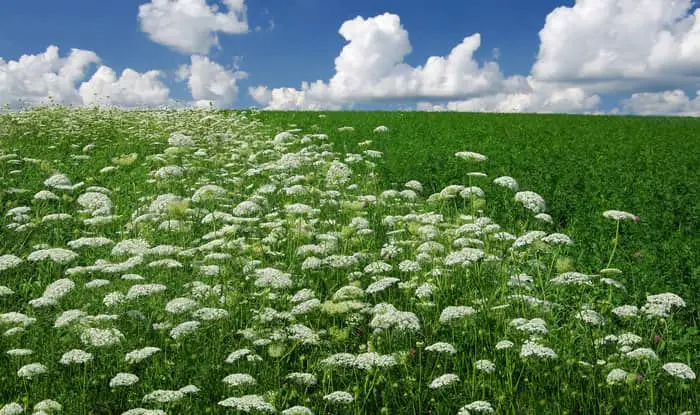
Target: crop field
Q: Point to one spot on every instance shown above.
(216, 262)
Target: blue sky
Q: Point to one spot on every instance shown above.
(298, 40)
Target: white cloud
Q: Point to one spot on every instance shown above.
(33, 78)
(191, 26)
(607, 45)
(371, 66)
(540, 97)
(209, 82)
(132, 89)
(674, 102)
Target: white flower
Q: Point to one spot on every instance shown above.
(248, 403)
(666, 299)
(306, 379)
(414, 185)
(76, 356)
(544, 217)
(101, 337)
(451, 313)
(16, 318)
(178, 139)
(90, 242)
(616, 376)
(338, 174)
(444, 380)
(58, 289)
(366, 361)
(504, 344)
(12, 408)
(442, 347)
(532, 201)
(169, 171)
(387, 316)
(339, 360)
(95, 203)
(618, 215)
(469, 155)
(558, 239)
(131, 247)
(477, 406)
(381, 129)
(184, 329)
(31, 370)
(614, 283)
(144, 290)
(48, 406)
(208, 192)
(571, 278)
(381, 285)
(189, 389)
(485, 365)
(507, 181)
(642, 353)
(679, 370)
(96, 283)
(339, 397)
(209, 313)
(535, 325)
(142, 411)
(20, 352)
(531, 348)
(57, 255)
(163, 396)
(238, 379)
(297, 410)
(56, 217)
(628, 339)
(123, 379)
(139, 355)
(9, 261)
(113, 299)
(180, 305)
(591, 317)
(59, 181)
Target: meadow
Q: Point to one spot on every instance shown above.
(211, 262)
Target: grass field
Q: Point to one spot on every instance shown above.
(188, 262)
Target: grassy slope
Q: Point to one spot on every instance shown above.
(581, 165)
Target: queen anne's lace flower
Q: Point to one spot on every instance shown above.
(248, 403)
(444, 380)
(679, 370)
(339, 397)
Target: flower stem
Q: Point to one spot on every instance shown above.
(617, 236)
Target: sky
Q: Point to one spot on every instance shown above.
(575, 56)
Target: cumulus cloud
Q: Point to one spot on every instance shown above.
(191, 26)
(371, 67)
(674, 102)
(31, 79)
(619, 45)
(540, 97)
(209, 82)
(131, 89)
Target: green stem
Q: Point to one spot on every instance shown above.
(617, 235)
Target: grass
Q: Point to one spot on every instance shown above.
(581, 165)
(331, 293)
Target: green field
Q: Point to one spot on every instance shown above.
(581, 165)
(295, 283)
